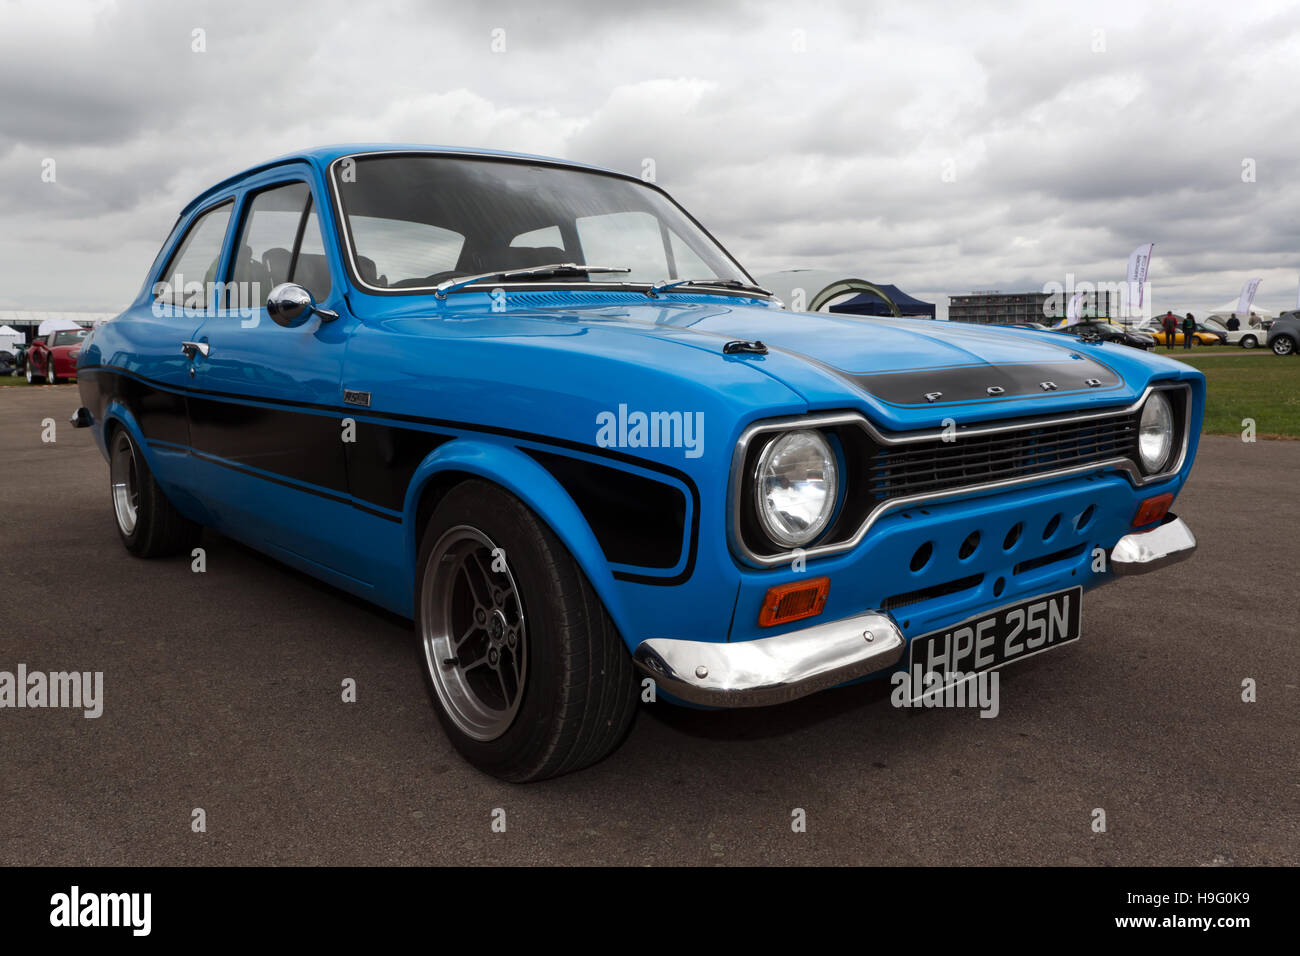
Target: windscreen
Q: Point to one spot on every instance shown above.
(416, 220)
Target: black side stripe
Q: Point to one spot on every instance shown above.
(309, 489)
(354, 412)
(516, 434)
(297, 487)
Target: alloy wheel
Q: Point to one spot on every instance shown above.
(125, 483)
(474, 633)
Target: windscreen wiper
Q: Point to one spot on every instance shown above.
(553, 269)
(654, 290)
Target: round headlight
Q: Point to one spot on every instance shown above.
(1155, 433)
(796, 482)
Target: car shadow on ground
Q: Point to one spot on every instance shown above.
(389, 625)
(758, 723)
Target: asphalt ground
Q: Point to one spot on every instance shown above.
(222, 691)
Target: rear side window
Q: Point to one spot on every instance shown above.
(189, 277)
(280, 242)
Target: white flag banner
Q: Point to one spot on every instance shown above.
(1074, 310)
(1139, 264)
(1247, 298)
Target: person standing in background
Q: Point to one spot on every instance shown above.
(1170, 325)
(1189, 329)
(1234, 323)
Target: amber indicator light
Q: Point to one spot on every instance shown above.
(793, 601)
(1153, 510)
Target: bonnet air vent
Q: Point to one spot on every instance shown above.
(571, 297)
(557, 299)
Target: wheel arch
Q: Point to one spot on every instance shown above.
(508, 467)
(116, 415)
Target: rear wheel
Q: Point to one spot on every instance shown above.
(526, 671)
(1249, 342)
(146, 521)
(1283, 345)
(51, 377)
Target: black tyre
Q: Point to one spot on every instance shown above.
(1284, 345)
(1249, 342)
(146, 521)
(526, 671)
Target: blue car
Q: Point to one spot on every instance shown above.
(537, 408)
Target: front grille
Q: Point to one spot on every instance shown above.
(934, 466)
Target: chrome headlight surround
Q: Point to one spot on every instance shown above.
(1156, 433)
(796, 485)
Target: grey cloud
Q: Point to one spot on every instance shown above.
(1065, 158)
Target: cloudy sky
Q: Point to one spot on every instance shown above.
(943, 147)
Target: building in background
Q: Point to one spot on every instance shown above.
(1013, 308)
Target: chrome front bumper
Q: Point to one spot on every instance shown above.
(772, 670)
(1146, 551)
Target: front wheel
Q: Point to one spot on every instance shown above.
(1283, 345)
(147, 523)
(31, 378)
(51, 377)
(526, 671)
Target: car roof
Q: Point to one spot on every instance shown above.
(322, 156)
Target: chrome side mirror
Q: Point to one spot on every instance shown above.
(290, 305)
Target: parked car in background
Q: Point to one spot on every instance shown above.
(8, 363)
(1246, 336)
(1215, 327)
(1032, 326)
(1159, 336)
(20, 358)
(536, 407)
(1099, 331)
(53, 358)
(1284, 333)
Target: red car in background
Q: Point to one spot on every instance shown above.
(54, 357)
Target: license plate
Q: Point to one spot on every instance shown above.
(999, 637)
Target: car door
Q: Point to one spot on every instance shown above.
(267, 430)
(140, 361)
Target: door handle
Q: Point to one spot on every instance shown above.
(190, 349)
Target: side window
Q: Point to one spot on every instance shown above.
(193, 268)
(281, 242)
